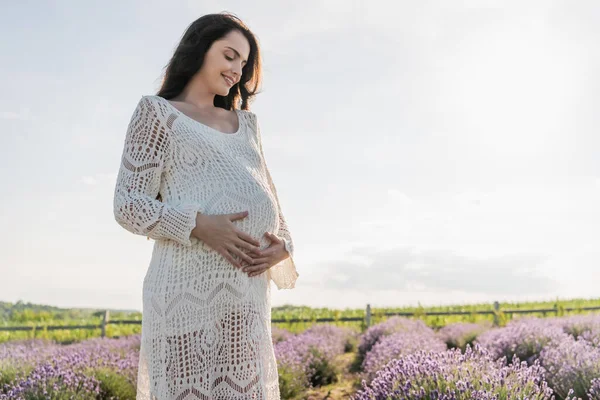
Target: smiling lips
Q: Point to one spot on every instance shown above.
(229, 80)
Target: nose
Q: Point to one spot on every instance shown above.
(237, 71)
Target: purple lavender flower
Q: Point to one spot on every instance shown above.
(308, 359)
(44, 368)
(396, 345)
(454, 375)
(594, 392)
(389, 326)
(279, 334)
(50, 379)
(571, 364)
(525, 338)
(585, 326)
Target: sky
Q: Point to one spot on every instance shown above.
(424, 152)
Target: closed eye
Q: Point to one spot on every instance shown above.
(231, 59)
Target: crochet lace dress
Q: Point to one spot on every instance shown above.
(206, 326)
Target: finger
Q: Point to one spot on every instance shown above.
(252, 268)
(236, 216)
(245, 263)
(271, 237)
(258, 261)
(260, 271)
(248, 238)
(255, 268)
(248, 246)
(236, 251)
(269, 252)
(225, 253)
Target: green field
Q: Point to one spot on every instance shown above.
(40, 316)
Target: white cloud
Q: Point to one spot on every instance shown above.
(406, 269)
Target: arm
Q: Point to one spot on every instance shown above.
(146, 151)
(284, 274)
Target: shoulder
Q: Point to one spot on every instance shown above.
(246, 113)
(251, 118)
(154, 107)
(146, 103)
(251, 121)
(151, 97)
(153, 101)
(152, 115)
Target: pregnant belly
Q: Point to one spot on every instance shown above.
(262, 209)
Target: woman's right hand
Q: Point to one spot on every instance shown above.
(219, 233)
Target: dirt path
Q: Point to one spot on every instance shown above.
(348, 383)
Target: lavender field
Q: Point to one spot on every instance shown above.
(400, 358)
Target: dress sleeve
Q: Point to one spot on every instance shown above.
(146, 151)
(284, 273)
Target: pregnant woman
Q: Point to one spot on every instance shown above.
(193, 177)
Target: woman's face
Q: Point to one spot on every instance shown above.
(224, 61)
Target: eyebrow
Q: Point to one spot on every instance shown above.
(236, 52)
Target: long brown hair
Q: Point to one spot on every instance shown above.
(189, 57)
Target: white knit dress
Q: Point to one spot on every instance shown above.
(206, 326)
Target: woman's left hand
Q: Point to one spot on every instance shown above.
(271, 256)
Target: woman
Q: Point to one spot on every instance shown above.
(194, 179)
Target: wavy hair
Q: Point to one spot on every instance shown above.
(189, 57)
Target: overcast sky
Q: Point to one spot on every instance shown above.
(423, 151)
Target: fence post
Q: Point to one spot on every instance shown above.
(105, 320)
(368, 315)
(496, 311)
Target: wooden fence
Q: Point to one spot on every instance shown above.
(367, 318)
